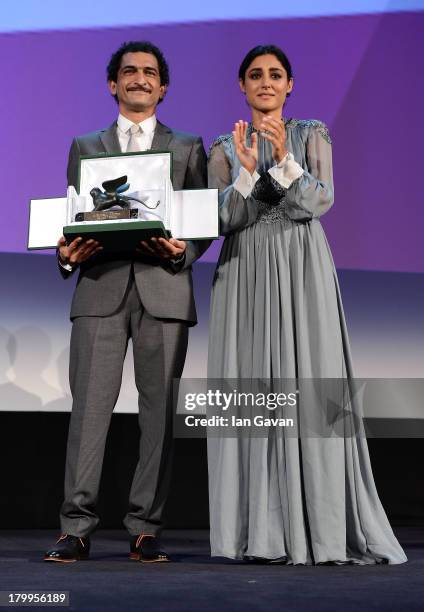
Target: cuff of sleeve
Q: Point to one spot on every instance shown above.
(245, 182)
(179, 259)
(66, 267)
(177, 263)
(286, 171)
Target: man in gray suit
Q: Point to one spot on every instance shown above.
(148, 297)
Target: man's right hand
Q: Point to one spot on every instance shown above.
(78, 251)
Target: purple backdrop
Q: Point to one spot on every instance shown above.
(360, 74)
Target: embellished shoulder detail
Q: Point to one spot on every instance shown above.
(219, 140)
(316, 124)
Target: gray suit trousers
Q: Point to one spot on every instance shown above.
(98, 347)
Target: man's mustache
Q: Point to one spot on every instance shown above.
(139, 88)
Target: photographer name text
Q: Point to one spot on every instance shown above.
(233, 421)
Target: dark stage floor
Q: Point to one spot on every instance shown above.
(110, 581)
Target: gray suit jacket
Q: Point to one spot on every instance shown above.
(166, 291)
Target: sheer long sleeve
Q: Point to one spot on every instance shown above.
(235, 211)
(312, 194)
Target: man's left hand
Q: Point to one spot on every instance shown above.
(162, 248)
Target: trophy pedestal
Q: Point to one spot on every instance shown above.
(107, 215)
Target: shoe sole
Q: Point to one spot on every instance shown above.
(84, 558)
(137, 557)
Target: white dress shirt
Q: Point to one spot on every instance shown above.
(144, 138)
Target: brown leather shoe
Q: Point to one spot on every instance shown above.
(145, 548)
(69, 549)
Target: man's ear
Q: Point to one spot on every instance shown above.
(163, 89)
(112, 87)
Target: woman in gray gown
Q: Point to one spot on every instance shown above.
(276, 313)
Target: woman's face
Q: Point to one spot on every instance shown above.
(266, 84)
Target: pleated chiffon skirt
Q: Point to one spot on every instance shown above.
(276, 313)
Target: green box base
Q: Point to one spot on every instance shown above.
(117, 237)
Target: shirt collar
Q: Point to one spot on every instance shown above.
(147, 125)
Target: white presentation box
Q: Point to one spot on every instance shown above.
(190, 214)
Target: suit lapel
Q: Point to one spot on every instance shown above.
(110, 140)
(162, 137)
